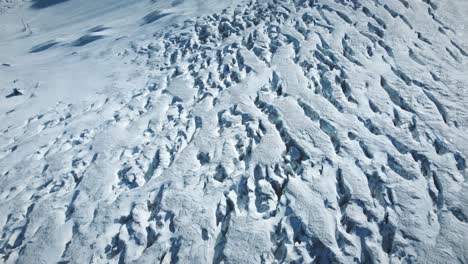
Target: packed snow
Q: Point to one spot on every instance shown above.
(237, 131)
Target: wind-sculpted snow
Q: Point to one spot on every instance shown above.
(272, 131)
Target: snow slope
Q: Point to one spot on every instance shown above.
(267, 131)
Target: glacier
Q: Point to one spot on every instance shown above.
(238, 131)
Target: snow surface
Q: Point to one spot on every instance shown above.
(258, 131)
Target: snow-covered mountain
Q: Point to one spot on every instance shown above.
(256, 131)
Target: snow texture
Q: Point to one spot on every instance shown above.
(257, 131)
